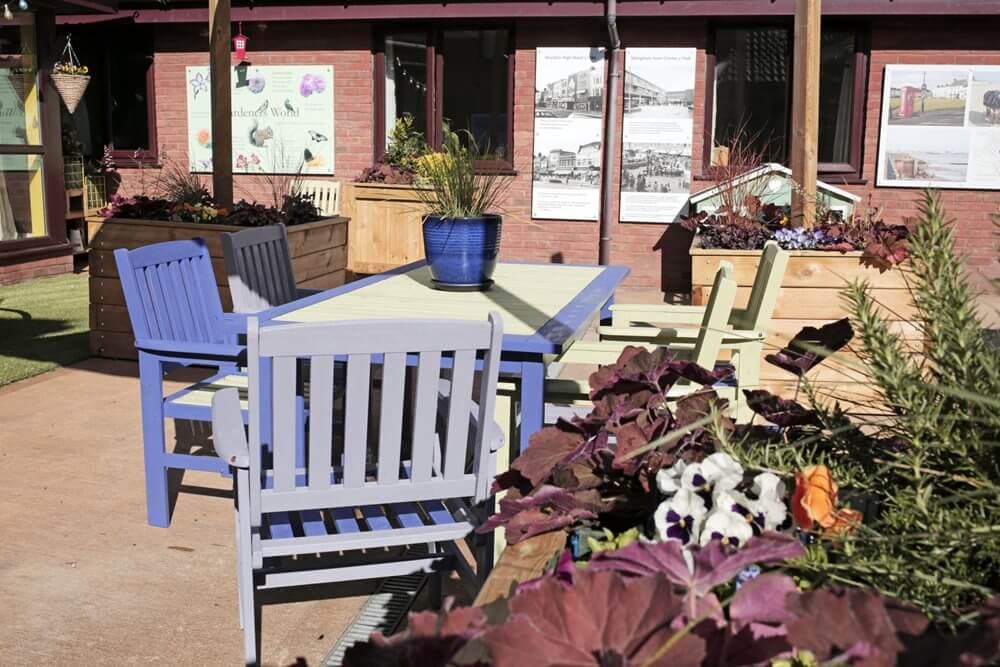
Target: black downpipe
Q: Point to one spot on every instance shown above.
(610, 131)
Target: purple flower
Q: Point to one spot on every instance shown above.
(311, 83)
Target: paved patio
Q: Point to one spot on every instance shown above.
(84, 580)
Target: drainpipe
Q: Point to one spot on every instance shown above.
(610, 131)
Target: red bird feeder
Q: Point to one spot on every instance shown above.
(240, 44)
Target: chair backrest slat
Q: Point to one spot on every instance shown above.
(320, 422)
(459, 413)
(390, 430)
(714, 324)
(285, 423)
(170, 292)
(356, 419)
(325, 195)
(766, 287)
(447, 429)
(423, 440)
(259, 268)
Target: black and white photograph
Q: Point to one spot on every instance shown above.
(657, 133)
(566, 156)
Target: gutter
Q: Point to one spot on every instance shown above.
(610, 132)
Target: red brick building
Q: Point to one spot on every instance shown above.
(488, 49)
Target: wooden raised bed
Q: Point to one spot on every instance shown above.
(319, 260)
(385, 230)
(520, 562)
(811, 295)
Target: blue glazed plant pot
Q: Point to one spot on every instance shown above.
(462, 252)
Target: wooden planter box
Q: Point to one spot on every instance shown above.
(319, 261)
(811, 295)
(385, 230)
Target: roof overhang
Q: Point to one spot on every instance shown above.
(182, 11)
(91, 7)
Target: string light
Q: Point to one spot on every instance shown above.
(7, 14)
(22, 5)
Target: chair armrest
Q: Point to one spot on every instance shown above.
(306, 291)
(228, 436)
(623, 314)
(208, 351)
(663, 336)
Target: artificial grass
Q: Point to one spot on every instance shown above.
(44, 324)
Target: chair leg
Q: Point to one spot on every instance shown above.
(435, 584)
(239, 569)
(747, 377)
(153, 440)
(485, 554)
(249, 612)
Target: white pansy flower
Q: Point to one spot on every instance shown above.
(729, 527)
(722, 471)
(668, 480)
(680, 517)
(770, 503)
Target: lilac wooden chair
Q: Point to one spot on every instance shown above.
(416, 481)
(259, 268)
(176, 315)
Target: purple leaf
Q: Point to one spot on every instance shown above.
(811, 346)
(832, 622)
(777, 410)
(602, 619)
(713, 564)
(548, 508)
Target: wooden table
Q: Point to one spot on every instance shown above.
(545, 308)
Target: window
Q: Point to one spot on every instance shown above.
(460, 78)
(118, 108)
(22, 178)
(752, 95)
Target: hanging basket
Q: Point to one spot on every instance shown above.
(71, 87)
(69, 77)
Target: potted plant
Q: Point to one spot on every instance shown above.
(460, 228)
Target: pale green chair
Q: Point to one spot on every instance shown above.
(639, 324)
(703, 347)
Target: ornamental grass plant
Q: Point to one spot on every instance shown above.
(453, 182)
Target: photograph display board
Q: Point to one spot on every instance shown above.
(940, 127)
(282, 119)
(656, 134)
(569, 110)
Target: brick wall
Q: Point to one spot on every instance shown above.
(656, 254)
(51, 266)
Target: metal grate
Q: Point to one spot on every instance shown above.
(383, 612)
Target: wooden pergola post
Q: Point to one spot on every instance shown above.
(805, 111)
(219, 32)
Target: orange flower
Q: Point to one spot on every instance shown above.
(203, 137)
(815, 502)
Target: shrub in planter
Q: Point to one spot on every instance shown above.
(398, 165)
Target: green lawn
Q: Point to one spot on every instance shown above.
(43, 325)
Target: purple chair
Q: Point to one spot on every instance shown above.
(176, 314)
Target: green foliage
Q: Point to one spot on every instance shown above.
(406, 145)
(452, 185)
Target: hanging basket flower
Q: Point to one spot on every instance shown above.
(70, 78)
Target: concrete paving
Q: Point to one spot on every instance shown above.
(84, 580)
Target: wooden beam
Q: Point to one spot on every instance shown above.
(219, 33)
(805, 111)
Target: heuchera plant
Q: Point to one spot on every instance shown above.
(601, 468)
(655, 604)
(749, 228)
